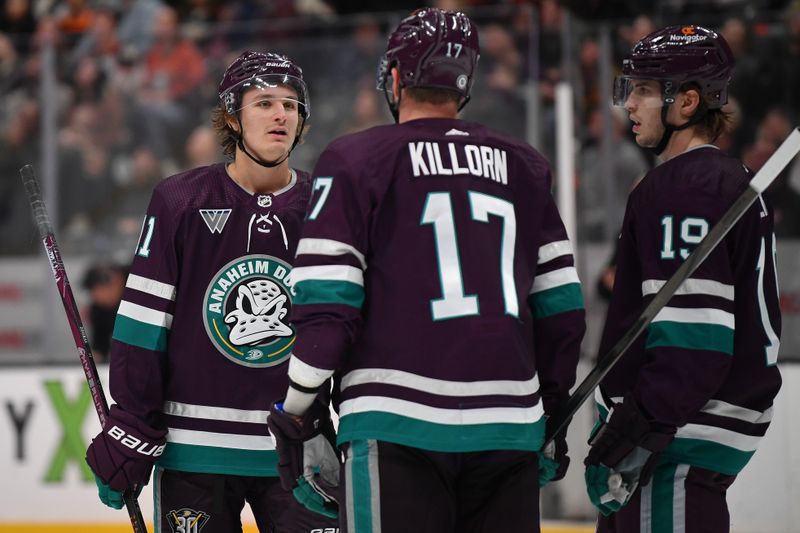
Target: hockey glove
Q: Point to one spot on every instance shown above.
(553, 461)
(308, 462)
(623, 454)
(122, 455)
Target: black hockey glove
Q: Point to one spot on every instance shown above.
(308, 461)
(553, 460)
(623, 455)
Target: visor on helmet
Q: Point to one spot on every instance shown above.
(232, 97)
(643, 92)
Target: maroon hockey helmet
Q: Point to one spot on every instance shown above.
(432, 48)
(259, 69)
(677, 55)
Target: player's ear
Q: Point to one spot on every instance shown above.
(690, 101)
(232, 123)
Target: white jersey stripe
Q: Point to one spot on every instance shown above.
(550, 251)
(328, 273)
(726, 437)
(219, 440)
(151, 286)
(439, 386)
(329, 247)
(438, 415)
(227, 414)
(145, 314)
(720, 408)
(696, 316)
(692, 286)
(556, 278)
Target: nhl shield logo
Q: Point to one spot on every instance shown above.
(246, 310)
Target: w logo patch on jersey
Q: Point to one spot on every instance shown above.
(215, 219)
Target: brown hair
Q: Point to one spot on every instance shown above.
(715, 122)
(225, 135)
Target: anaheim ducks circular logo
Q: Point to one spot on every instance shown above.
(245, 311)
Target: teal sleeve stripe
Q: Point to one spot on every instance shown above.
(140, 334)
(213, 460)
(556, 300)
(362, 487)
(328, 292)
(706, 454)
(690, 336)
(441, 437)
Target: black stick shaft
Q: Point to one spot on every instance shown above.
(53, 253)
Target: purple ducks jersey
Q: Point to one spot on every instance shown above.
(202, 334)
(435, 273)
(707, 362)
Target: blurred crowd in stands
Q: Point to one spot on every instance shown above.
(135, 81)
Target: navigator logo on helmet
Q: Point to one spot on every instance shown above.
(431, 48)
(676, 56)
(262, 70)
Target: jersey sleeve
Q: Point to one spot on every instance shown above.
(556, 303)
(328, 275)
(142, 327)
(689, 344)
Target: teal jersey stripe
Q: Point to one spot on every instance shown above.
(328, 292)
(441, 437)
(213, 460)
(663, 501)
(362, 487)
(556, 300)
(140, 334)
(691, 336)
(706, 454)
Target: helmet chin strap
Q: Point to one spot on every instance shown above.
(669, 129)
(267, 164)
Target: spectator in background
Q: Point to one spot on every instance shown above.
(18, 23)
(202, 148)
(105, 283)
(173, 69)
(100, 42)
(135, 28)
(368, 110)
(628, 166)
(73, 18)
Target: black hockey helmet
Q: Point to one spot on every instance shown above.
(260, 69)
(432, 48)
(677, 55)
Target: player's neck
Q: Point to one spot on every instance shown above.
(254, 178)
(416, 110)
(682, 141)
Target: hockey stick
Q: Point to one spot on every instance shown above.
(45, 228)
(774, 166)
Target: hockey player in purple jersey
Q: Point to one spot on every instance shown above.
(202, 338)
(684, 410)
(435, 278)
